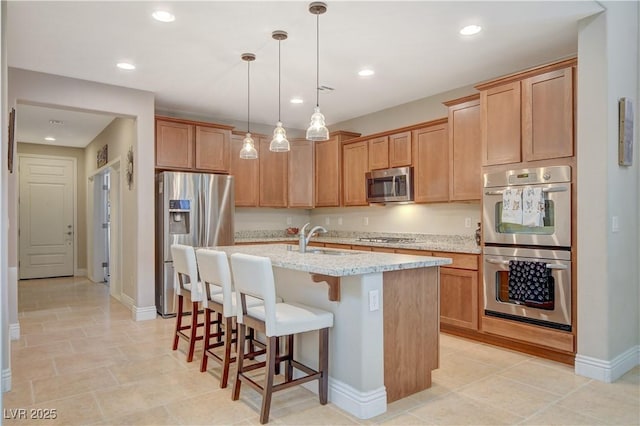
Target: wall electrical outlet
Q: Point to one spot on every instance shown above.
(365, 221)
(374, 300)
(289, 220)
(327, 220)
(467, 222)
(615, 224)
(339, 221)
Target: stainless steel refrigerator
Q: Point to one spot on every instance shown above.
(194, 209)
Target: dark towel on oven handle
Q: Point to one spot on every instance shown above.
(530, 282)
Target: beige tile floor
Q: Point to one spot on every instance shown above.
(82, 355)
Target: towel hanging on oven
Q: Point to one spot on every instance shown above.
(530, 282)
(512, 206)
(532, 206)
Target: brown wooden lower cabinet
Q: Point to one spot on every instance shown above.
(459, 297)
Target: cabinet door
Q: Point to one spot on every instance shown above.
(379, 153)
(174, 145)
(273, 176)
(327, 173)
(400, 149)
(245, 174)
(431, 164)
(459, 297)
(464, 151)
(354, 166)
(500, 124)
(212, 149)
(547, 104)
(301, 174)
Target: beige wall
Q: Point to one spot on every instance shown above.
(78, 154)
(608, 277)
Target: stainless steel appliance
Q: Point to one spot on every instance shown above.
(546, 245)
(555, 183)
(390, 185)
(195, 209)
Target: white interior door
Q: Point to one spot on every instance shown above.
(46, 214)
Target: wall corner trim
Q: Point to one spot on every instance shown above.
(144, 313)
(363, 405)
(607, 371)
(14, 331)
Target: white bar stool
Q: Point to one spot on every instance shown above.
(188, 284)
(253, 276)
(213, 267)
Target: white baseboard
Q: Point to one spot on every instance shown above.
(6, 380)
(14, 331)
(363, 405)
(127, 301)
(144, 313)
(80, 273)
(607, 371)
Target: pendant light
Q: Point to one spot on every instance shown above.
(317, 130)
(279, 143)
(248, 151)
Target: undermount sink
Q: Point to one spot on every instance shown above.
(330, 252)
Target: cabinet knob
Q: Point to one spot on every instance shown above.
(546, 176)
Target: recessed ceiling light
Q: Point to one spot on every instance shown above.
(163, 16)
(366, 72)
(296, 100)
(49, 138)
(56, 122)
(471, 30)
(126, 66)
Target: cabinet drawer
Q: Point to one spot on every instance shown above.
(338, 246)
(362, 248)
(460, 260)
(414, 252)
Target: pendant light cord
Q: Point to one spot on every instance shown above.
(279, 78)
(317, 60)
(248, 95)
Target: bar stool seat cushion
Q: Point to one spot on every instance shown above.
(219, 298)
(293, 318)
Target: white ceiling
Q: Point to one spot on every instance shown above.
(193, 65)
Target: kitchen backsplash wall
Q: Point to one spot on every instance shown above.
(442, 219)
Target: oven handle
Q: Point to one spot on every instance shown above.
(506, 262)
(546, 190)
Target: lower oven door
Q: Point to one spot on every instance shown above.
(543, 275)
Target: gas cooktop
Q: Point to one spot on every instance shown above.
(386, 240)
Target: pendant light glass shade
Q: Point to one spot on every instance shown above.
(248, 151)
(317, 130)
(279, 143)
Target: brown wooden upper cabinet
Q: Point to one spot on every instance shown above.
(301, 174)
(354, 168)
(328, 169)
(379, 153)
(192, 145)
(246, 174)
(273, 176)
(390, 151)
(464, 148)
(528, 116)
(431, 162)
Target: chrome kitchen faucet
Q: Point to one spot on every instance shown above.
(304, 241)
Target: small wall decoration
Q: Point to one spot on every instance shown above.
(625, 132)
(12, 125)
(130, 168)
(103, 156)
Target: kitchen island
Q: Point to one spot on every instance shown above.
(384, 342)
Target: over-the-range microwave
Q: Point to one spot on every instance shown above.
(390, 185)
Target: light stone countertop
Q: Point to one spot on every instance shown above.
(446, 243)
(353, 262)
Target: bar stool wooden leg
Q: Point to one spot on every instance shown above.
(272, 356)
(194, 331)
(288, 375)
(239, 362)
(207, 332)
(228, 337)
(178, 323)
(323, 365)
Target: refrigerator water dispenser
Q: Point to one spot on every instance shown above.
(179, 217)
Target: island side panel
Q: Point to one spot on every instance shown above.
(411, 330)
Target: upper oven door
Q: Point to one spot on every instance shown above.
(556, 226)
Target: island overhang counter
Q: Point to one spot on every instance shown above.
(384, 342)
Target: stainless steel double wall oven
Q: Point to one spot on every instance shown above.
(546, 245)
